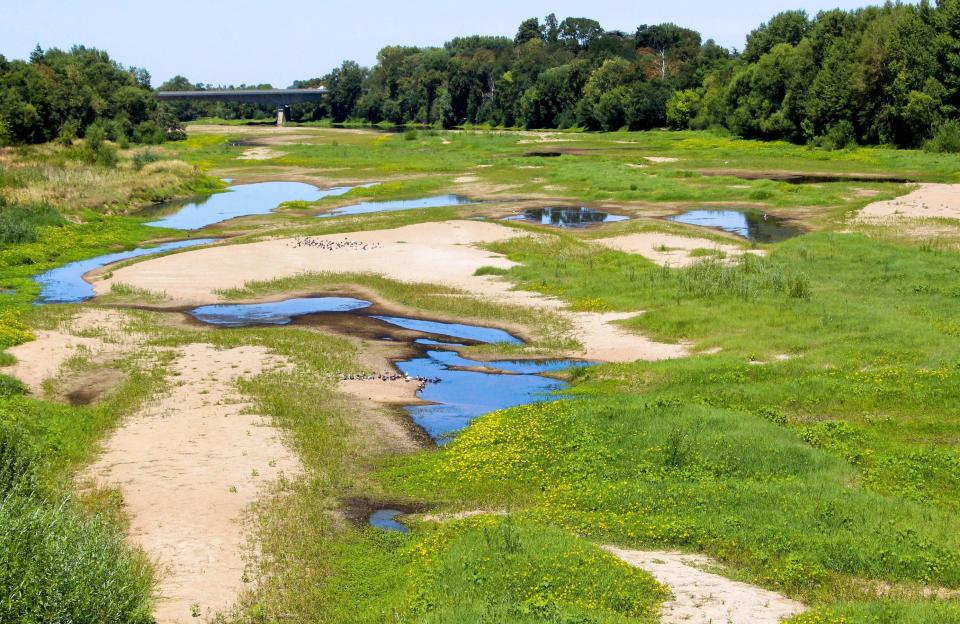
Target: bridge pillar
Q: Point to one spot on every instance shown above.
(283, 115)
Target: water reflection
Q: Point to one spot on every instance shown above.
(754, 225)
(400, 204)
(570, 217)
(242, 200)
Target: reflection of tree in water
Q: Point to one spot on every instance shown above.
(566, 217)
(765, 228)
(754, 225)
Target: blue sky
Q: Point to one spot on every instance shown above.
(253, 41)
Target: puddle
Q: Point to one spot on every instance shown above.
(274, 313)
(460, 389)
(386, 519)
(400, 204)
(454, 330)
(66, 284)
(568, 217)
(754, 225)
(240, 201)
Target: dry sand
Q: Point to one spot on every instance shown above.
(189, 465)
(926, 201)
(701, 597)
(435, 253)
(260, 153)
(42, 359)
(649, 244)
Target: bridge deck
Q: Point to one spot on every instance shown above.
(275, 97)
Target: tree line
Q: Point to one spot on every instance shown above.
(878, 75)
(63, 95)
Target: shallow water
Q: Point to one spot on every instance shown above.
(243, 200)
(66, 284)
(454, 330)
(753, 225)
(274, 313)
(400, 204)
(386, 519)
(525, 367)
(461, 396)
(455, 396)
(569, 217)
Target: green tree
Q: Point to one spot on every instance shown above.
(529, 29)
(683, 108)
(665, 40)
(345, 86)
(788, 27)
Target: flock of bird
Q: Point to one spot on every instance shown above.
(332, 245)
(422, 381)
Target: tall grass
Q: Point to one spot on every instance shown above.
(60, 564)
(20, 223)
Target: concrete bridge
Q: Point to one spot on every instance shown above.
(281, 98)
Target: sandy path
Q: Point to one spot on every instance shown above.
(926, 201)
(42, 359)
(704, 598)
(651, 246)
(437, 253)
(176, 462)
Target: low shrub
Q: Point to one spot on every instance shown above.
(11, 386)
(18, 224)
(145, 157)
(61, 566)
(18, 463)
(946, 140)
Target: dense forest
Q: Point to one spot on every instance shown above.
(879, 75)
(61, 95)
(887, 75)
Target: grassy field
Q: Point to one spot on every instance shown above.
(65, 557)
(810, 444)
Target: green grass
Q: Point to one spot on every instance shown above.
(814, 453)
(61, 562)
(485, 570)
(65, 557)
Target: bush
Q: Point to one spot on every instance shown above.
(106, 156)
(11, 386)
(148, 132)
(144, 158)
(18, 224)
(61, 566)
(18, 463)
(68, 133)
(946, 140)
(95, 137)
(840, 135)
